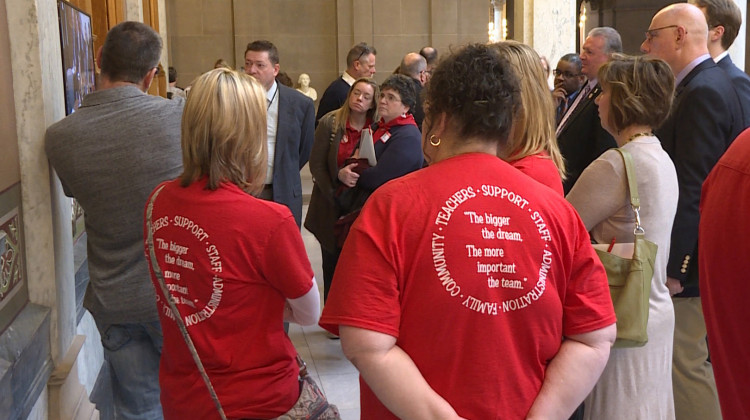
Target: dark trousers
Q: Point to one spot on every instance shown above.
(330, 259)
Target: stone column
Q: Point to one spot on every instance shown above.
(549, 26)
(38, 96)
(134, 10)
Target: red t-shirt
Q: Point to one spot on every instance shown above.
(232, 260)
(541, 168)
(478, 273)
(722, 253)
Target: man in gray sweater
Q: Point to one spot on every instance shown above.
(109, 155)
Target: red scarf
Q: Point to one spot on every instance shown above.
(384, 128)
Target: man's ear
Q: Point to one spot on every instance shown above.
(681, 34)
(276, 68)
(716, 33)
(148, 79)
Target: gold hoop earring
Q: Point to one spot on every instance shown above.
(433, 142)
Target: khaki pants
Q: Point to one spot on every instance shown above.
(695, 396)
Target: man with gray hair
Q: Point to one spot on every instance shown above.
(580, 134)
(109, 155)
(360, 62)
(705, 118)
(414, 66)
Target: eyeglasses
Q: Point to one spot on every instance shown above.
(565, 74)
(652, 32)
(366, 50)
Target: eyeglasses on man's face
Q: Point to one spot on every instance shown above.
(652, 32)
(565, 74)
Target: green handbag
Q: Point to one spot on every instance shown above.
(630, 277)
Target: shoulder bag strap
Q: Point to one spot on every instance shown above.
(635, 201)
(173, 307)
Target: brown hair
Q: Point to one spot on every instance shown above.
(224, 131)
(534, 121)
(722, 13)
(262, 45)
(641, 90)
(342, 114)
(130, 51)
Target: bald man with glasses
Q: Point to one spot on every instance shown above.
(705, 118)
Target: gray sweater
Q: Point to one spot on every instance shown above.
(109, 155)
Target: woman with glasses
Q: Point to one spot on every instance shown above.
(336, 139)
(396, 138)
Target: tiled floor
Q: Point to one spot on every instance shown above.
(325, 361)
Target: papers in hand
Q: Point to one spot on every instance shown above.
(624, 250)
(367, 147)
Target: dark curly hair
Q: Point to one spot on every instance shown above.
(641, 90)
(478, 90)
(405, 88)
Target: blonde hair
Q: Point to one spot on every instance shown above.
(342, 114)
(534, 121)
(224, 131)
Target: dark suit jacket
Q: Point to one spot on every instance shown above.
(333, 98)
(741, 82)
(418, 111)
(582, 139)
(294, 139)
(706, 117)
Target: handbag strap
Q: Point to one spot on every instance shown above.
(175, 312)
(635, 201)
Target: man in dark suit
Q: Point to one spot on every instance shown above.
(724, 21)
(360, 62)
(568, 83)
(580, 134)
(705, 117)
(291, 127)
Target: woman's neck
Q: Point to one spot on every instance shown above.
(632, 132)
(450, 148)
(357, 120)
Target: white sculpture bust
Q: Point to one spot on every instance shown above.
(303, 85)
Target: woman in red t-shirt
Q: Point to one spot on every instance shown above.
(532, 146)
(467, 289)
(234, 265)
(336, 139)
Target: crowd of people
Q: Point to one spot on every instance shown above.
(455, 204)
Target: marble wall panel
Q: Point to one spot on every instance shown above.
(553, 29)
(415, 17)
(38, 96)
(9, 167)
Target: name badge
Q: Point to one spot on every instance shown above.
(385, 137)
